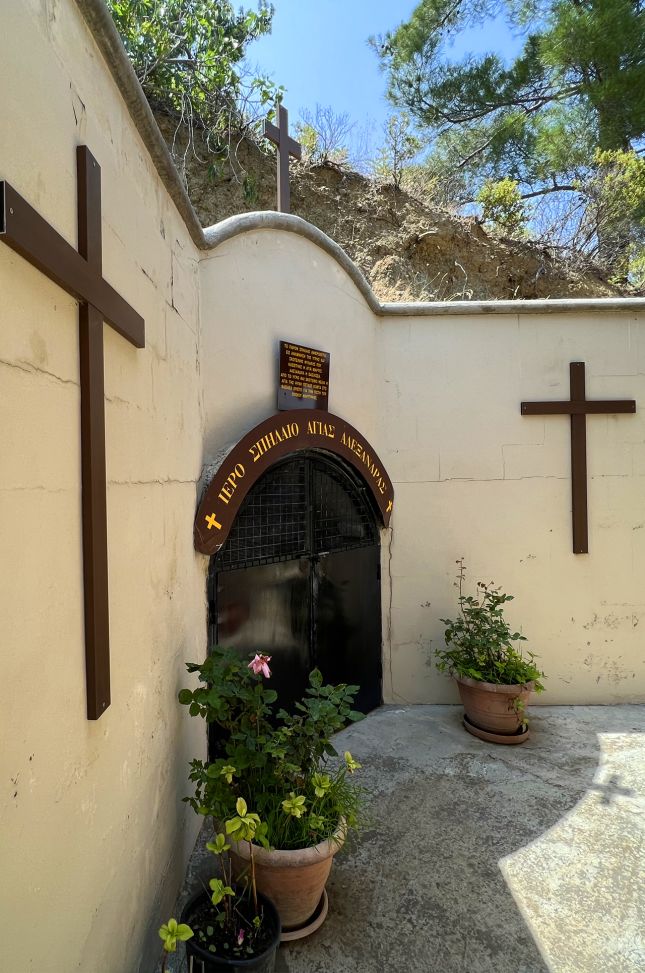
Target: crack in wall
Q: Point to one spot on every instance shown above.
(154, 482)
(38, 487)
(129, 403)
(395, 695)
(30, 369)
(515, 479)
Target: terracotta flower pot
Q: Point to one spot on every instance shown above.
(492, 707)
(293, 880)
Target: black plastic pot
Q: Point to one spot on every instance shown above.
(205, 962)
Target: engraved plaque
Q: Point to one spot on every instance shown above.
(304, 377)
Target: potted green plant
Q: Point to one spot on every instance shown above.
(285, 766)
(229, 928)
(494, 677)
(171, 933)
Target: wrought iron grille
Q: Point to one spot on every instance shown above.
(342, 517)
(302, 507)
(272, 522)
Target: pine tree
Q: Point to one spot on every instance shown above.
(575, 91)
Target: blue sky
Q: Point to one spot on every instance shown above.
(318, 51)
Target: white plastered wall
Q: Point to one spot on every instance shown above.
(93, 834)
(438, 396)
(475, 478)
(268, 285)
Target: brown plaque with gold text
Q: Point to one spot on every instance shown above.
(304, 377)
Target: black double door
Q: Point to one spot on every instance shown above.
(299, 579)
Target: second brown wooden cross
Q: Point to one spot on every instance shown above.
(287, 146)
(578, 407)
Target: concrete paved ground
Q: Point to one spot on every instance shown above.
(488, 859)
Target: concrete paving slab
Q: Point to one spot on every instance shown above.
(487, 859)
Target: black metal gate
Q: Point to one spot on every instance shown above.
(299, 578)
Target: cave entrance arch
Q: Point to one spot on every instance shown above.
(298, 577)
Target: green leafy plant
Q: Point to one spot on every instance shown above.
(480, 643)
(502, 206)
(399, 149)
(282, 764)
(250, 190)
(190, 58)
(616, 198)
(231, 921)
(171, 932)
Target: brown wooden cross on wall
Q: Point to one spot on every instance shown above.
(287, 146)
(578, 408)
(80, 274)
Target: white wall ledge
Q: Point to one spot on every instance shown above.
(215, 235)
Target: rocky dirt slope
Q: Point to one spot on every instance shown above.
(408, 251)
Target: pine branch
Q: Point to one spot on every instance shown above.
(555, 188)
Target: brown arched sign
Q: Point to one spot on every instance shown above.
(273, 439)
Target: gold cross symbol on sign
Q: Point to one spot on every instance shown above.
(389, 507)
(212, 522)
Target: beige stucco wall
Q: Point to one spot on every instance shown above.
(93, 834)
(92, 827)
(476, 478)
(268, 285)
(439, 398)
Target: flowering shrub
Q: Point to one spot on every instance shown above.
(281, 764)
(479, 642)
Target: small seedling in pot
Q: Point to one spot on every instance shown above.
(171, 932)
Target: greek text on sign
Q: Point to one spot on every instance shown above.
(304, 377)
(274, 439)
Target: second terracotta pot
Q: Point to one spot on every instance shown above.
(293, 880)
(493, 707)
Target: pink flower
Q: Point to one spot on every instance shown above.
(240, 937)
(260, 665)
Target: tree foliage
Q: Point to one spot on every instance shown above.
(400, 147)
(614, 195)
(324, 135)
(502, 206)
(576, 87)
(189, 57)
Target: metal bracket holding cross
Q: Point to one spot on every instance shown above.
(578, 408)
(80, 274)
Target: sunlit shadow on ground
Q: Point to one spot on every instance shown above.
(488, 859)
(581, 885)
